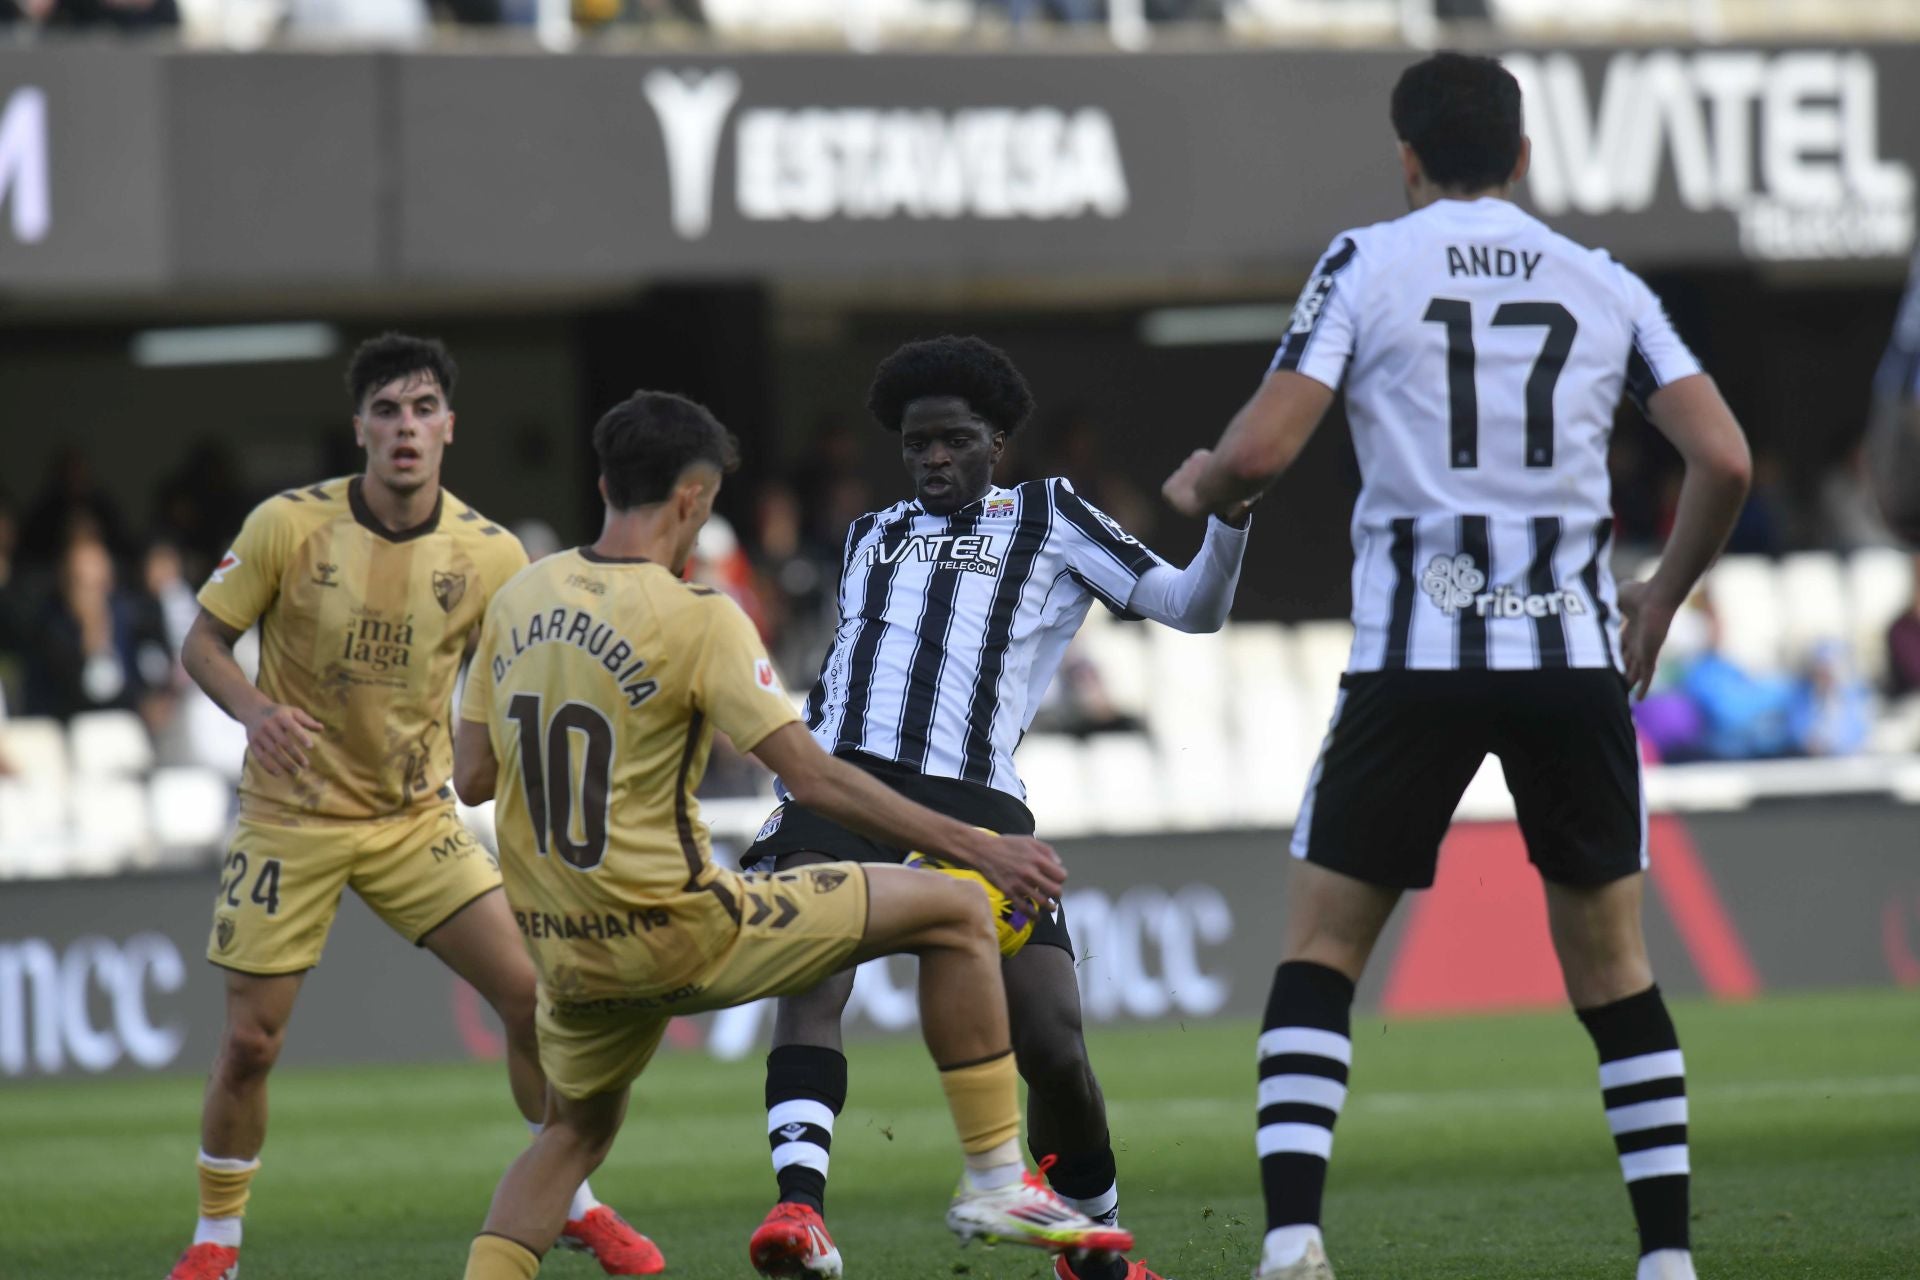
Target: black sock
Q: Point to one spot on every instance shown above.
(1644, 1085)
(806, 1087)
(1304, 1055)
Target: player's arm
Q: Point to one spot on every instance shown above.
(1022, 867)
(1258, 446)
(1691, 414)
(1197, 598)
(475, 771)
(277, 735)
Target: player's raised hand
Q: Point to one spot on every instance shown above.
(279, 736)
(1648, 617)
(1021, 867)
(1182, 488)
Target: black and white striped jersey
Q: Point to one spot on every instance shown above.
(1483, 356)
(951, 627)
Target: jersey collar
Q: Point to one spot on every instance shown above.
(363, 514)
(594, 557)
(993, 491)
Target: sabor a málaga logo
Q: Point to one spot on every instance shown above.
(815, 163)
(1786, 141)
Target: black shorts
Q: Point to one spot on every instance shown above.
(792, 830)
(1404, 745)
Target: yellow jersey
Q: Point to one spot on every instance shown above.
(364, 629)
(601, 683)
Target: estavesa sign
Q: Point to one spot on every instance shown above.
(26, 209)
(1786, 141)
(819, 164)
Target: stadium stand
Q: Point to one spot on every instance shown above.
(1231, 725)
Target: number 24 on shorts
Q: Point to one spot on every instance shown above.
(266, 884)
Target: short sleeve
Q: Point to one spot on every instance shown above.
(1320, 337)
(1101, 554)
(476, 704)
(737, 686)
(247, 579)
(1658, 356)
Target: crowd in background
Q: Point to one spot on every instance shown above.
(93, 608)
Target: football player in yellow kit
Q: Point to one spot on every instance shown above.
(368, 592)
(590, 711)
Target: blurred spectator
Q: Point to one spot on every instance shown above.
(170, 592)
(201, 505)
(1082, 452)
(1832, 711)
(99, 647)
(1077, 702)
(1903, 645)
(1846, 517)
(1759, 530)
(799, 579)
(600, 13)
(719, 561)
(71, 505)
(126, 15)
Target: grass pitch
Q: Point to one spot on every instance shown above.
(1472, 1149)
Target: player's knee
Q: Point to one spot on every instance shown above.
(249, 1050)
(1055, 1065)
(966, 916)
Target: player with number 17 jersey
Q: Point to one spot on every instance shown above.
(1481, 534)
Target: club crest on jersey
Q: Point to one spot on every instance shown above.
(228, 563)
(223, 933)
(998, 507)
(449, 589)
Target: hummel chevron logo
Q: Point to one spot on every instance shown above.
(792, 1132)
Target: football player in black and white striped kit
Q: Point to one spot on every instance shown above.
(1483, 357)
(955, 609)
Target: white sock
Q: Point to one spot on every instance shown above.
(1665, 1264)
(1287, 1245)
(221, 1231)
(1000, 1167)
(1100, 1206)
(584, 1201)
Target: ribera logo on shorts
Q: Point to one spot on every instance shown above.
(1456, 583)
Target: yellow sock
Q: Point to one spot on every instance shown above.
(498, 1258)
(225, 1186)
(985, 1101)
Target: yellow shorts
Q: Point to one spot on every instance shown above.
(794, 928)
(281, 883)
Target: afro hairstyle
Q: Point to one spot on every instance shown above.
(975, 371)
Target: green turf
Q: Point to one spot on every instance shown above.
(1471, 1148)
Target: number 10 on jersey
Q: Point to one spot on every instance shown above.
(552, 792)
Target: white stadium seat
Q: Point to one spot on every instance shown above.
(1118, 651)
(1813, 599)
(1746, 599)
(1055, 775)
(1123, 783)
(109, 743)
(1273, 734)
(107, 818)
(189, 808)
(33, 828)
(1879, 589)
(37, 747)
